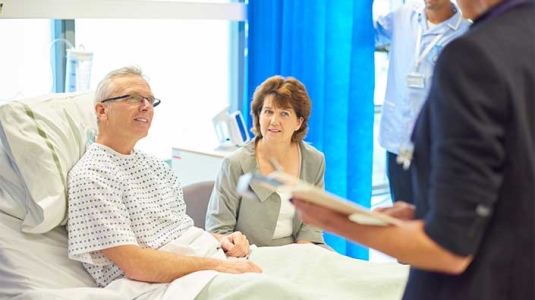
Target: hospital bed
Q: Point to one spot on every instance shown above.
(42, 138)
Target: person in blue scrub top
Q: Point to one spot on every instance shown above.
(471, 234)
(415, 33)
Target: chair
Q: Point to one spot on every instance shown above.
(196, 196)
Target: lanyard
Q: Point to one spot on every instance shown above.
(426, 50)
(430, 46)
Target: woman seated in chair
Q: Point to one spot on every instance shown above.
(280, 109)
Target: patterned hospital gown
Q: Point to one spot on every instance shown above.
(117, 199)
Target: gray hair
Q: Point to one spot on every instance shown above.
(106, 86)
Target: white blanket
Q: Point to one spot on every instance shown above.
(310, 272)
(194, 242)
(289, 272)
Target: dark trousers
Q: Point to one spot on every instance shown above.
(399, 179)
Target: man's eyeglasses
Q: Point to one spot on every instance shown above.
(135, 99)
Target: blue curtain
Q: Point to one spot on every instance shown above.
(329, 46)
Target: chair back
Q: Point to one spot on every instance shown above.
(196, 196)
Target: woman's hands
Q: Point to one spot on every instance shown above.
(235, 244)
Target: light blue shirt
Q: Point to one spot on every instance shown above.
(402, 104)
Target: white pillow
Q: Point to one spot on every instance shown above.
(30, 262)
(11, 188)
(44, 137)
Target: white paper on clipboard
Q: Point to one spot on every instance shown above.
(305, 191)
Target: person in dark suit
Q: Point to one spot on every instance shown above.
(471, 232)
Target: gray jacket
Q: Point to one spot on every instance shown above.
(257, 218)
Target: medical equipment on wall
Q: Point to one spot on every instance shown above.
(78, 69)
(230, 129)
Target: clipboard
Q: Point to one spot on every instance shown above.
(281, 181)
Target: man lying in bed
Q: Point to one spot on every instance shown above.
(125, 204)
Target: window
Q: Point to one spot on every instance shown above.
(380, 191)
(187, 62)
(26, 58)
(381, 194)
(192, 62)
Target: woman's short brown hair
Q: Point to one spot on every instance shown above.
(287, 92)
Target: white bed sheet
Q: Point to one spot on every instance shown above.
(37, 267)
(338, 279)
(29, 262)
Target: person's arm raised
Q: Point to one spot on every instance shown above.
(151, 265)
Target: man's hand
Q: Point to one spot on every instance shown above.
(401, 210)
(235, 244)
(238, 266)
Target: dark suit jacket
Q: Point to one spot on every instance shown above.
(474, 161)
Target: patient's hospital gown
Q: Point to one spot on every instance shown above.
(117, 199)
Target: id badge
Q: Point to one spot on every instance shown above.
(415, 80)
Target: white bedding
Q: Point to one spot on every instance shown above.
(37, 267)
(310, 272)
(290, 272)
(29, 262)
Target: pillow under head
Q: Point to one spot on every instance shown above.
(44, 137)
